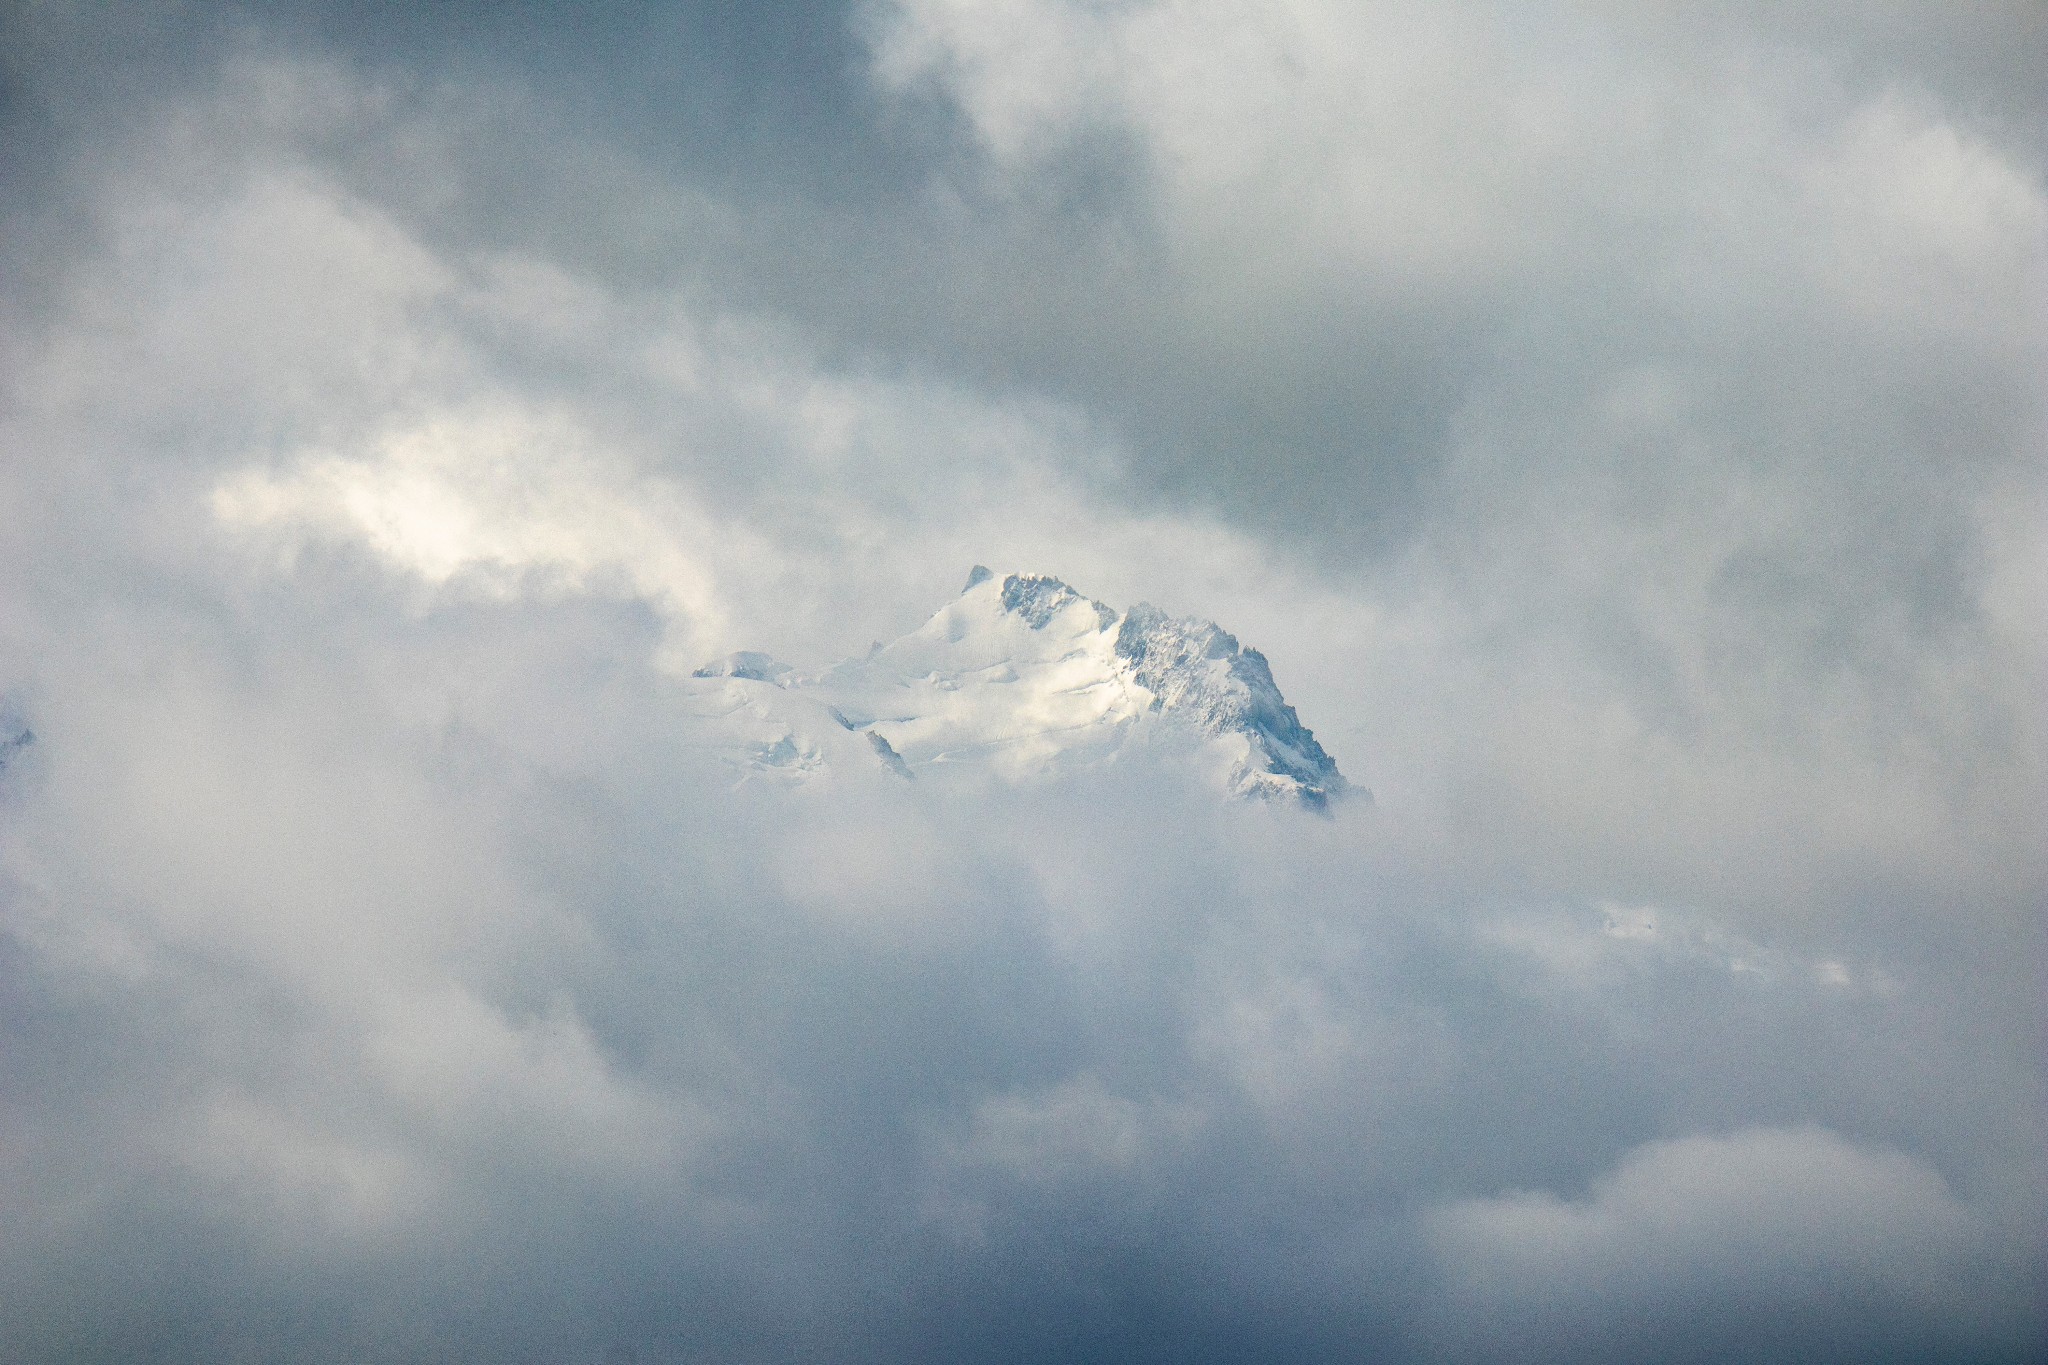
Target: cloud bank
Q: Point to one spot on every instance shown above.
(1623, 431)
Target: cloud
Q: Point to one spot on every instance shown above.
(498, 500)
(1621, 432)
(1778, 1243)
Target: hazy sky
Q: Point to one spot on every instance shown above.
(1624, 427)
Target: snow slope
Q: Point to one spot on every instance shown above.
(1019, 676)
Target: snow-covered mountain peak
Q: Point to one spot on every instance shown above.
(1196, 670)
(1021, 675)
(1038, 600)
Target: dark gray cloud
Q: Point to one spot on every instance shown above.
(1622, 431)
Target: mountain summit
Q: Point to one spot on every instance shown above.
(1021, 675)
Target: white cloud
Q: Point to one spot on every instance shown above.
(1756, 1238)
(510, 503)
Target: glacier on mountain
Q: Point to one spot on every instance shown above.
(1019, 676)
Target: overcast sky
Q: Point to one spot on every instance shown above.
(1623, 426)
